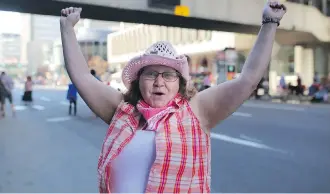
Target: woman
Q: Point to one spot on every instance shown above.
(159, 131)
(27, 97)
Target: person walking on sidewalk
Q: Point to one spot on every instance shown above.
(72, 98)
(158, 140)
(8, 84)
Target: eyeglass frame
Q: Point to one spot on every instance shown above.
(177, 74)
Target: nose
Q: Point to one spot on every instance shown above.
(159, 81)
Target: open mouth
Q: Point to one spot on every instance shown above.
(158, 93)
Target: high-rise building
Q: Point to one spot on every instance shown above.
(38, 34)
(10, 47)
(41, 40)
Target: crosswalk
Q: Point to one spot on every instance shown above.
(66, 103)
(38, 107)
(41, 104)
(59, 119)
(45, 99)
(19, 108)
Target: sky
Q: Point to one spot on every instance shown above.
(10, 22)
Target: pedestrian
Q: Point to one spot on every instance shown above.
(2, 99)
(8, 85)
(27, 96)
(72, 98)
(158, 139)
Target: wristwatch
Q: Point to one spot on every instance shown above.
(271, 20)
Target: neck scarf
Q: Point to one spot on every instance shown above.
(154, 115)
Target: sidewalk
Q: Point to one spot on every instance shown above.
(290, 100)
(273, 99)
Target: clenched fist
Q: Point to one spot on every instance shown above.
(273, 10)
(70, 16)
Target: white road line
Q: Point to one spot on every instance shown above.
(245, 137)
(59, 119)
(242, 114)
(245, 143)
(38, 107)
(45, 99)
(65, 103)
(19, 108)
(239, 141)
(273, 106)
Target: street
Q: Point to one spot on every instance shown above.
(263, 147)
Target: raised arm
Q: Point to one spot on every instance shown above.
(103, 100)
(217, 103)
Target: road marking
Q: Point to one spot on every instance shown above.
(239, 141)
(59, 119)
(65, 103)
(242, 136)
(38, 107)
(242, 114)
(45, 99)
(245, 142)
(273, 106)
(19, 108)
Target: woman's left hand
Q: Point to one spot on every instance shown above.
(274, 10)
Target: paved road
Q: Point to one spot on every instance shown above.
(263, 147)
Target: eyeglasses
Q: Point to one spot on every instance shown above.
(167, 76)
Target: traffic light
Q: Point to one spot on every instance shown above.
(231, 68)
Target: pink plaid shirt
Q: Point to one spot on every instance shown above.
(182, 163)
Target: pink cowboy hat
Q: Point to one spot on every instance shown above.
(160, 53)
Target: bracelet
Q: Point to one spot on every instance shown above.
(270, 20)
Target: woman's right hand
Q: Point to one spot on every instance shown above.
(70, 16)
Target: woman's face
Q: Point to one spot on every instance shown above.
(159, 85)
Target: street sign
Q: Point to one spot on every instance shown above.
(181, 10)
